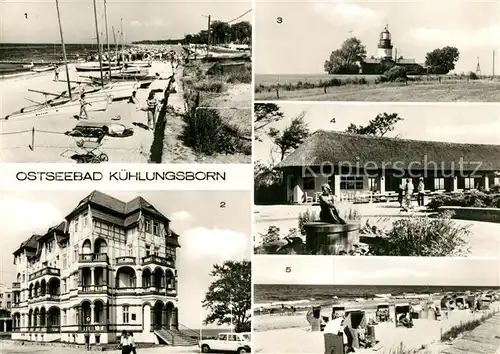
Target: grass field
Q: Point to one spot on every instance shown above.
(426, 89)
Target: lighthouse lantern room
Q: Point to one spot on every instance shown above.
(385, 44)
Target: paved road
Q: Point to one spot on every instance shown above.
(485, 339)
(10, 348)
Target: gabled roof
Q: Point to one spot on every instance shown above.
(121, 213)
(334, 147)
(30, 244)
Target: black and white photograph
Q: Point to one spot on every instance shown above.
(126, 81)
(386, 305)
(126, 271)
(377, 179)
(343, 50)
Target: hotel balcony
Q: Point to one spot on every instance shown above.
(45, 297)
(16, 286)
(94, 258)
(152, 259)
(45, 271)
(93, 289)
(127, 260)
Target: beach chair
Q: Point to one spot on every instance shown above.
(382, 314)
(403, 317)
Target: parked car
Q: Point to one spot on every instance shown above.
(227, 342)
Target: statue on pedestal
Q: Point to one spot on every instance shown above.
(329, 213)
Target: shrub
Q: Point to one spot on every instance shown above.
(307, 216)
(472, 76)
(423, 236)
(474, 199)
(495, 188)
(211, 85)
(205, 131)
(393, 74)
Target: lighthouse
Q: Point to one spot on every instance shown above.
(385, 44)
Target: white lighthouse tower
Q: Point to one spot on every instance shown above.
(385, 44)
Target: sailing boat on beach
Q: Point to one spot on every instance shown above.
(62, 103)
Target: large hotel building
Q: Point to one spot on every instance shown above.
(109, 266)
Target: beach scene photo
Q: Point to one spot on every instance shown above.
(376, 180)
(307, 304)
(108, 81)
(384, 51)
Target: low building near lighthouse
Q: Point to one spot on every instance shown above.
(352, 163)
(385, 59)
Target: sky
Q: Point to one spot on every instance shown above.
(208, 234)
(456, 123)
(311, 30)
(325, 270)
(142, 20)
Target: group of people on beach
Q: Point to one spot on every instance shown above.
(127, 343)
(406, 191)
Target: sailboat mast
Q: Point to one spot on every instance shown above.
(64, 50)
(122, 39)
(107, 38)
(116, 43)
(98, 46)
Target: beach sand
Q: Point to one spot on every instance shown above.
(50, 143)
(291, 334)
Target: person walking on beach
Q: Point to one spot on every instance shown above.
(125, 343)
(83, 107)
(56, 73)
(420, 191)
(132, 343)
(151, 103)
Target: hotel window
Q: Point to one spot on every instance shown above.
(496, 180)
(50, 245)
(148, 250)
(308, 183)
(157, 251)
(156, 228)
(65, 261)
(76, 225)
(438, 183)
(351, 182)
(65, 287)
(469, 183)
(125, 314)
(64, 318)
(85, 219)
(171, 252)
(147, 225)
(75, 255)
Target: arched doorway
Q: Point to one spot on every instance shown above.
(43, 287)
(85, 313)
(54, 287)
(36, 318)
(170, 279)
(157, 316)
(146, 317)
(30, 318)
(146, 278)
(100, 316)
(159, 279)
(100, 246)
(169, 310)
(54, 319)
(125, 278)
(86, 247)
(43, 317)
